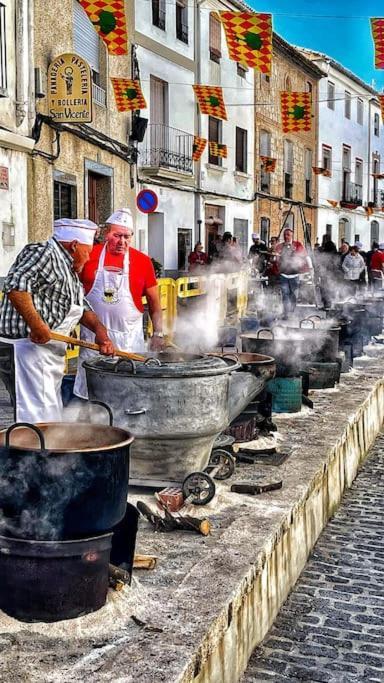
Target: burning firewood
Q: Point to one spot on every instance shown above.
(173, 522)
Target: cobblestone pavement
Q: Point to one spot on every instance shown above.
(331, 629)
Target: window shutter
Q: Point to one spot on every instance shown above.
(214, 35)
(86, 42)
(308, 164)
(265, 143)
(346, 159)
(288, 156)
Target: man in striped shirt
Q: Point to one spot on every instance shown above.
(42, 292)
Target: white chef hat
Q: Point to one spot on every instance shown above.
(122, 217)
(80, 229)
(358, 245)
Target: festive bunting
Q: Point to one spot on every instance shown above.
(199, 145)
(333, 202)
(296, 111)
(377, 28)
(210, 99)
(128, 94)
(249, 38)
(108, 18)
(268, 163)
(218, 150)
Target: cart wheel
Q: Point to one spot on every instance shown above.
(225, 461)
(200, 487)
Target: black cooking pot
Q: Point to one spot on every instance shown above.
(288, 351)
(53, 580)
(322, 338)
(62, 480)
(261, 366)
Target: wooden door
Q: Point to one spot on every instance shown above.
(93, 213)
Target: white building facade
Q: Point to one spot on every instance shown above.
(16, 116)
(177, 44)
(351, 150)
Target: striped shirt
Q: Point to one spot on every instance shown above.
(44, 270)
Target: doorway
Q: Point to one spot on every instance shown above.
(156, 237)
(99, 197)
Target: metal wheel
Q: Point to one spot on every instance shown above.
(199, 487)
(224, 461)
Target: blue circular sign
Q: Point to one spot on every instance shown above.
(147, 201)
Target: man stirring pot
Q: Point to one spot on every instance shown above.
(115, 279)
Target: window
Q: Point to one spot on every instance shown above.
(288, 84)
(3, 53)
(346, 173)
(64, 200)
(182, 21)
(288, 169)
(344, 230)
(265, 78)
(241, 150)
(327, 158)
(241, 70)
(308, 175)
(347, 104)
(158, 13)
(328, 230)
(86, 43)
(214, 135)
(331, 95)
(376, 125)
(184, 247)
(265, 227)
(309, 87)
(214, 38)
(375, 170)
(374, 231)
(265, 150)
(359, 179)
(360, 111)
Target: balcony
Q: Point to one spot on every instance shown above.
(378, 199)
(352, 195)
(98, 95)
(166, 151)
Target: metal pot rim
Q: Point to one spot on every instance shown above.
(121, 444)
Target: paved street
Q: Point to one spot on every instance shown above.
(331, 629)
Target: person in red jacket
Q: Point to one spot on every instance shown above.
(197, 258)
(115, 279)
(293, 260)
(377, 267)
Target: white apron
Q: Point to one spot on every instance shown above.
(111, 299)
(39, 370)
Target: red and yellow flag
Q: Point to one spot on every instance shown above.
(128, 94)
(108, 18)
(377, 28)
(333, 202)
(249, 38)
(296, 111)
(269, 164)
(218, 150)
(211, 101)
(199, 145)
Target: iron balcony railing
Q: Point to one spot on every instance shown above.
(99, 95)
(353, 193)
(167, 147)
(378, 199)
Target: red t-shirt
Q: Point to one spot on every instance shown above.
(377, 260)
(141, 271)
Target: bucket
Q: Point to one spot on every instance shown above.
(286, 394)
(52, 581)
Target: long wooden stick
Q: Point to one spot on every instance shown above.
(94, 347)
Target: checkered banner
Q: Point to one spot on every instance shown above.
(211, 101)
(377, 28)
(296, 111)
(128, 94)
(381, 100)
(269, 164)
(249, 38)
(108, 18)
(218, 150)
(199, 145)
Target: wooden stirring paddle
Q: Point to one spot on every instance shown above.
(95, 347)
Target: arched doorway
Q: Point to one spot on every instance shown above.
(344, 230)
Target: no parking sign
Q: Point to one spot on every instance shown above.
(147, 201)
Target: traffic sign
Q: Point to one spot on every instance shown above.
(147, 201)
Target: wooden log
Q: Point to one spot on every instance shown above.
(174, 521)
(256, 489)
(144, 562)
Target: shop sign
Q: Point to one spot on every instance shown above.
(4, 178)
(70, 89)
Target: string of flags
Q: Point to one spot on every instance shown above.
(296, 111)
(216, 149)
(268, 164)
(249, 39)
(128, 94)
(108, 19)
(199, 145)
(211, 101)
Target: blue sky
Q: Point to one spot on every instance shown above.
(340, 29)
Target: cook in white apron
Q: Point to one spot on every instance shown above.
(39, 370)
(111, 299)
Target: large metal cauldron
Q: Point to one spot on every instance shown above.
(287, 348)
(175, 405)
(321, 336)
(62, 480)
(261, 366)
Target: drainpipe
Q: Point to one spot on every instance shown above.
(197, 118)
(21, 17)
(369, 149)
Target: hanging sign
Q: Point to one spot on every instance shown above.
(147, 201)
(70, 89)
(4, 178)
